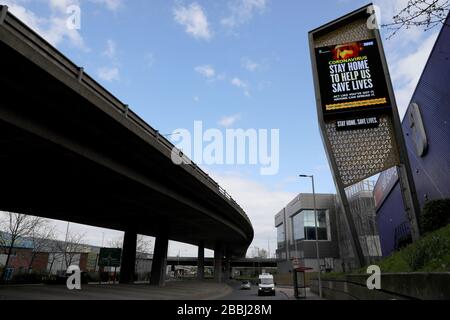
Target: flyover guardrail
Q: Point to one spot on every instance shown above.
(78, 73)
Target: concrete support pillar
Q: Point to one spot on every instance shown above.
(159, 264)
(128, 263)
(227, 271)
(218, 255)
(201, 261)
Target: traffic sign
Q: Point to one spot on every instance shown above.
(109, 257)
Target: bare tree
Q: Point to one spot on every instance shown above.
(53, 249)
(2, 237)
(43, 240)
(143, 246)
(16, 226)
(425, 14)
(73, 245)
(116, 243)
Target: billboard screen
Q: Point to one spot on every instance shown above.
(351, 77)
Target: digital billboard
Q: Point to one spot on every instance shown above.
(351, 77)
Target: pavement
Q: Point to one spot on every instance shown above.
(306, 294)
(174, 290)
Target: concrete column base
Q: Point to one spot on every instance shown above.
(128, 262)
(218, 256)
(159, 264)
(201, 261)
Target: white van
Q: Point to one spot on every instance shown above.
(266, 284)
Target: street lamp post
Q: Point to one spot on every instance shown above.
(296, 255)
(65, 248)
(316, 231)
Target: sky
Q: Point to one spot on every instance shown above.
(230, 64)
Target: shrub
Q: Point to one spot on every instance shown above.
(427, 251)
(435, 215)
(27, 278)
(92, 277)
(49, 279)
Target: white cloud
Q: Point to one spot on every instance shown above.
(241, 84)
(221, 76)
(62, 5)
(112, 5)
(389, 9)
(26, 16)
(238, 83)
(250, 65)
(406, 72)
(108, 74)
(242, 11)
(110, 50)
(407, 53)
(260, 203)
(58, 32)
(207, 71)
(228, 121)
(196, 99)
(194, 19)
(54, 28)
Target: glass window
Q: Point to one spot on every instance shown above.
(299, 226)
(280, 236)
(266, 281)
(305, 228)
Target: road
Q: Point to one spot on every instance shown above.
(281, 293)
(174, 290)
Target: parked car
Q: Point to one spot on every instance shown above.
(246, 285)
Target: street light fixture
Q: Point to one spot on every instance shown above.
(316, 231)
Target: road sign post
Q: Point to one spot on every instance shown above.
(110, 257)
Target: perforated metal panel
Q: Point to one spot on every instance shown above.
(354, 31)
(362, 153)
(358, 153)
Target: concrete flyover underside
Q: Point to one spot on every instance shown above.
(70, 150)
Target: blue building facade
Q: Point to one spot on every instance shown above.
(426, 128)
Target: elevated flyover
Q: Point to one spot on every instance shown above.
(236, 262)
(70, 150)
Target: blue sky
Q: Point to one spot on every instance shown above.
(231, 63)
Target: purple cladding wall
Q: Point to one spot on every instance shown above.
(431, 170)
(391, 216)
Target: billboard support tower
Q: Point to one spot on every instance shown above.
(357, 112)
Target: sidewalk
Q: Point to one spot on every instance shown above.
(289, 291)
(174, 290)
